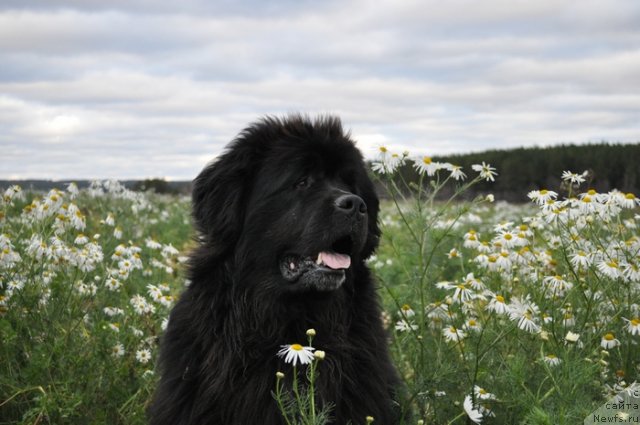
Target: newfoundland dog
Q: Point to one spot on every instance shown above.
(286, 218)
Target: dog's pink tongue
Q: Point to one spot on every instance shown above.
(334, 260)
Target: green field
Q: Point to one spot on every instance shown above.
(508, 314)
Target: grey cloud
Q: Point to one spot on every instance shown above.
(140, 88)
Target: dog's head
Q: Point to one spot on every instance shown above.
(289, 198)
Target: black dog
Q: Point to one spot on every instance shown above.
(286, 217)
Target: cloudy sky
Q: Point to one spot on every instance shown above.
(145, 88)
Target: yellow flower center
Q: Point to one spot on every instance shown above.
(592, 192)
(500, 298)
(524, 227)
(472, 322)
(609, 337)
(551, 356)
(296, 347)
(630, 196)
(406, 307)
(586, 199)
(426, 160)
(383, 149)
(508, 236)
(635, 322)
(544, 192)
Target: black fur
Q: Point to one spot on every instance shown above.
(271, 193)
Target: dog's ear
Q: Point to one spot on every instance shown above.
(219, 195)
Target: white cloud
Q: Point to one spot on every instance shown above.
(141, 89)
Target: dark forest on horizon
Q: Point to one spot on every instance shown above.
(609, 165)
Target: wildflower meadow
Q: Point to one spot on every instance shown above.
(497, 313)
(87, 279)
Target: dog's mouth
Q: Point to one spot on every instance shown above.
(323, 271)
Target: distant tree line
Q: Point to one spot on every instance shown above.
(156, 185)
(519, 170)
(609, 166)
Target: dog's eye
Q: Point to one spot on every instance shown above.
(303, 183)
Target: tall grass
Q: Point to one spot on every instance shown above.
(86, 283)
(498, 314)
(505, 314)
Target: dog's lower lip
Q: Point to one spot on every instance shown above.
(306, 272)
(326, 260)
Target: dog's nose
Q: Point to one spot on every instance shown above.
(351, 204)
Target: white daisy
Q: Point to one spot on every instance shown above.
(557, 285)
(486, 171)
(497, 304)
(451, 333)
(406, 311)
(143, 356)
(609, 341)
(574, 178)
(110, 220)
(572, 337)
(581, 260)
(295, 353)
(457, 173)
(405, 326)
(633, 325)
(152, 243)
(462, 294)
(631, 272)
(542, 197)
(425, 165)
(473, 413)
(117, 350)
(472, 325)
(482, 394)
(629, 201)
(81, 239)
(551, 360)
(609, 268)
